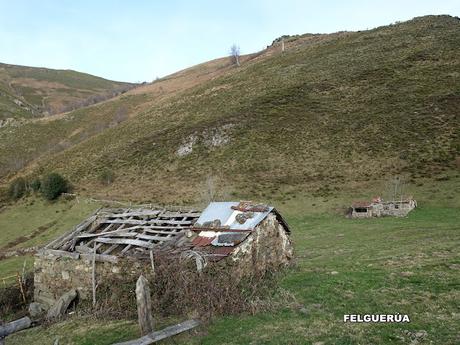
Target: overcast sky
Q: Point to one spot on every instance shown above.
(140, 40)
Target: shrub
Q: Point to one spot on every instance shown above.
(17, 188)
(53, 185)
(35, 185)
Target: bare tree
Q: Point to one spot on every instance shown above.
(208, 192)
(213, 189)
(235, 54)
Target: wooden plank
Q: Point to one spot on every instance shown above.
(123, 226)
(180, 214)
(147, 222)
(127, 241)
(153, 238)
(71, 234)
(110, 249)
(173, 231)
(100, 257)
(142, 213)
(59, 253)
(157, 227)
(82, 249)
(14, 326)
(106, 233)
(163, 334)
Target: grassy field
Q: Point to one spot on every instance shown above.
(34, 222)
(389, 265)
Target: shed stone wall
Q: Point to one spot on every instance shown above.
(267, 248)
(56, 275)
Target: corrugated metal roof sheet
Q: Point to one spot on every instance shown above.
(228, 217)
(201, 241)
(229, 238)
(222, 226)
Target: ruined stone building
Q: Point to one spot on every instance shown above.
(247, 235)
(379, 208)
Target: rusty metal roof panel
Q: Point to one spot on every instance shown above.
(201, 241)
(228, 214)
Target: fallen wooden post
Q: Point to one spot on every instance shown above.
(144, 305)
(163, 334)
(14, 326)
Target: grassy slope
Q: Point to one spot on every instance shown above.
(33, 222)
(406, 265)
(40, 89)
(24, 143)
(343, 108)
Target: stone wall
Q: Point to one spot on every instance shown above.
(267, 248)
(55, 275)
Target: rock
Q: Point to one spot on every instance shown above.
(303, 310)
(36, 310)
(421, 334)
(407, 274)
(62, 304)
(319, 343)
(334, 272)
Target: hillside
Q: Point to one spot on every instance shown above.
(331, 112)
(29, 92)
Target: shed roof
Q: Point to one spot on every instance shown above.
(361, 204)
(225, 214)
(126, 232)
(111, 232)
(227, 224)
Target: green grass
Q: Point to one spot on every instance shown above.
(34, 222)
(35, 215)
(389, 265)
(10, 266)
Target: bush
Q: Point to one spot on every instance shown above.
(53, 185)
(35, 185)
(17, 188)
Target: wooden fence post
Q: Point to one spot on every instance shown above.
(21, 288)
(144, 305)
(93, 275)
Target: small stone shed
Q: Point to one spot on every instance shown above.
(246, 235)
(256, 237)
(379, 208)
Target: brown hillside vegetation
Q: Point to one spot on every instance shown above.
(32, 92)
(331, 111)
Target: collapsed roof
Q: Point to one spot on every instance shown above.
(137, 232)
(126, 232)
